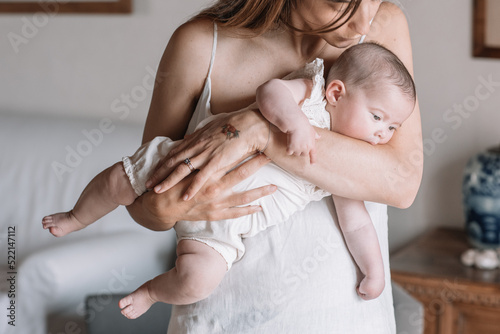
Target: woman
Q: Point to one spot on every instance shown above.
(297, 276)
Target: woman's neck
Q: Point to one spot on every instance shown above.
(306, 47)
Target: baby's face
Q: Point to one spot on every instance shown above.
(371, 115)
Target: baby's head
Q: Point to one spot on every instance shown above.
(370, 93)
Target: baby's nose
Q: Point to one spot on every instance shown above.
(381, 134)
(384, 135)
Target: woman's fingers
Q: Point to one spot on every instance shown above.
(212, 169)
(183, 151)
(160, 173)
(179, 173)
(173, 178)
(216, 166)
(163, 169)
(194, 148)
(234, 202)
(210, 150)
(168, 174)
(182, 170)
(244, 170)
(236, 212)
(249, 196)
(215, 201)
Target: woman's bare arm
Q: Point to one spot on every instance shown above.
(180, 80)
(389, 173)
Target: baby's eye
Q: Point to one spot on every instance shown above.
(392, 128)
(376, 117)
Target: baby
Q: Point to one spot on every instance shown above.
(369, 94)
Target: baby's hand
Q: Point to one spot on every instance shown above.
(302, 142)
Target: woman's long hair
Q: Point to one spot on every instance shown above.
(259, 16)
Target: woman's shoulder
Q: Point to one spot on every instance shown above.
(194, 34)
(389, 18)
(189, 51)
(390, 28)
(201, 29)
(388, 22)
(391, 7)
(390, 10)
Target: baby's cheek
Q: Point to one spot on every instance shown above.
(386, 140)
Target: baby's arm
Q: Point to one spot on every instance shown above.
(362, 241)
(279, 102)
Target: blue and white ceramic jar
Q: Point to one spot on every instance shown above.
(481, 199)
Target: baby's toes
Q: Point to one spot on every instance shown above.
(47, 222)
(129, 312)
(125, 301)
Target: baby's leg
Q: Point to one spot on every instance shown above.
(198, 271)
(364, 247)
(362, 241)
(102, 195)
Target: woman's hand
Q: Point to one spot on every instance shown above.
(215, 201)
(213, 150)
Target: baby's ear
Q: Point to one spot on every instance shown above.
(335, 91)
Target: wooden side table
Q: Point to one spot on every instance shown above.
(457, 299)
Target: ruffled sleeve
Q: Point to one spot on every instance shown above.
(314, 107)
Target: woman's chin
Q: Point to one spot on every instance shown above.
(344, 43)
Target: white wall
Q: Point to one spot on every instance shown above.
(81, 64)
(448, 78)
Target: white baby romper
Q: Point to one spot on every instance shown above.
(293, 193)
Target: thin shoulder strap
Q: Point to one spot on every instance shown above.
(214, 48)
(362, 39)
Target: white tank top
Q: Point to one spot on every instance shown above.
(202, 109)
(296, 277)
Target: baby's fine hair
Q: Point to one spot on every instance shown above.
(370, 65)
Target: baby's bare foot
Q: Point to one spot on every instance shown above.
(60, 224)
(137, 303)
(371, 287)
